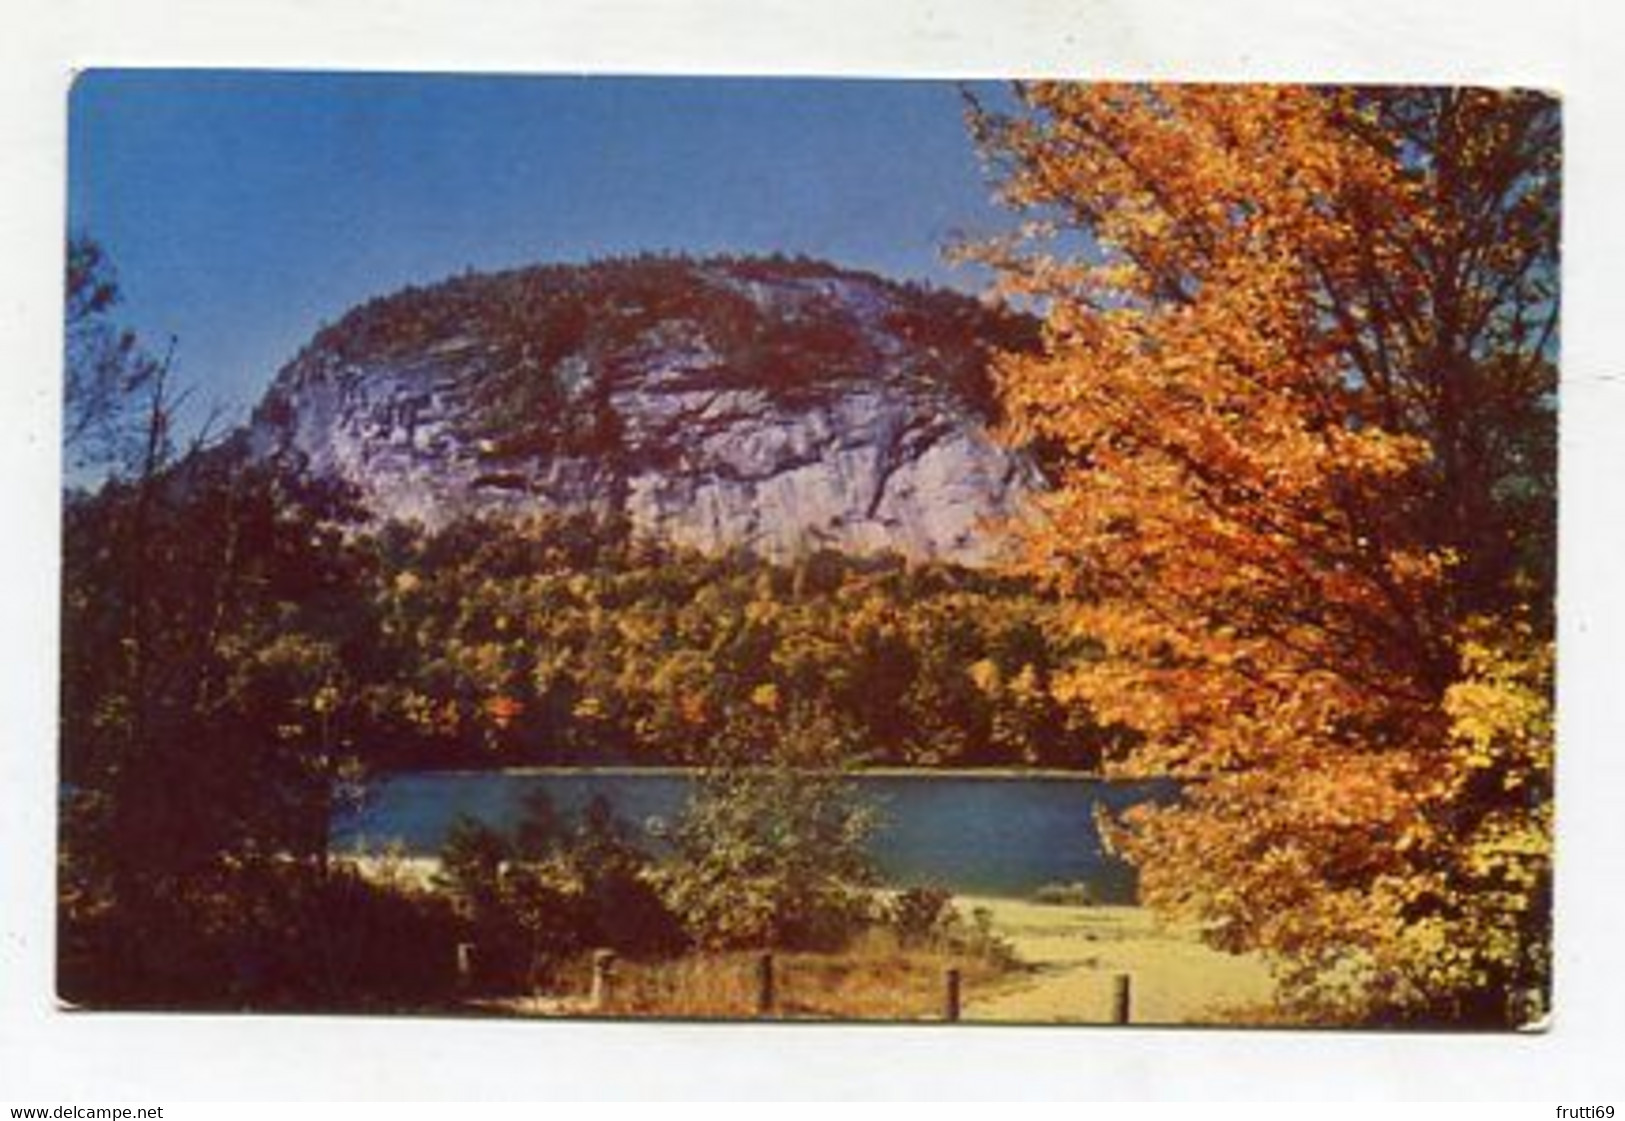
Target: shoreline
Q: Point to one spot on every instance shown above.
(421, 867)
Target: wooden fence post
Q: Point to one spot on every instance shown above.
(765, 995)
(950, 996)
(603, 978)
(1120, 998)
(465, 965)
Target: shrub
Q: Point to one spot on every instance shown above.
(920, 914)
(926, 918)
(980, 940)
(621, 904)
(531, 900)
(521, 915)
(775, 855)
(264, 934)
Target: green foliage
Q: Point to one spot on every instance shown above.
(926, 918)
(775, 854)
(209, 713)
(259, 934)
(623, 906)
(531, 899)
(522, 917)
(213, 619)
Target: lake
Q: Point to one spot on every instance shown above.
(973, 834)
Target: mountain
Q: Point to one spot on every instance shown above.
(771, 403)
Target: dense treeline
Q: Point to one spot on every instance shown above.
(567, 639)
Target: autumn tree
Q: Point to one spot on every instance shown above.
(1296, 392)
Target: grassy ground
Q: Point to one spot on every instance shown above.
(1065, 956)
(1073, 952)
(875, 979)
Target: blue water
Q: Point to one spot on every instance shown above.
(992, 836)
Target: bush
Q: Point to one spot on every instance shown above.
(366, 943)
(925, 917)
(532, 900)
(266, 934)
(919, 915)
(622, 907)
(776, 855)
(521, 915)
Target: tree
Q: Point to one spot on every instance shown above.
(1297, 393)
(210, 717)
(113, 387)
(772, 849)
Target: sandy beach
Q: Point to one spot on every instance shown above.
(1073, 952)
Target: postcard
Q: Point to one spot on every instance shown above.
(782, 549)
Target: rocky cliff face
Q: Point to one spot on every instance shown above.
(779, 405)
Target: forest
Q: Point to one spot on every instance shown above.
(561, 640)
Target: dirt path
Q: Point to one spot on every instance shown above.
(1074, 952)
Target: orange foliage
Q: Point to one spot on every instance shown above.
(1296, 395)
(503, 710)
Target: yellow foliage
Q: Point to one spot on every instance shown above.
(1271, 386)
(985, 673)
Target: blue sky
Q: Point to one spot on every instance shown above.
(243, 209)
